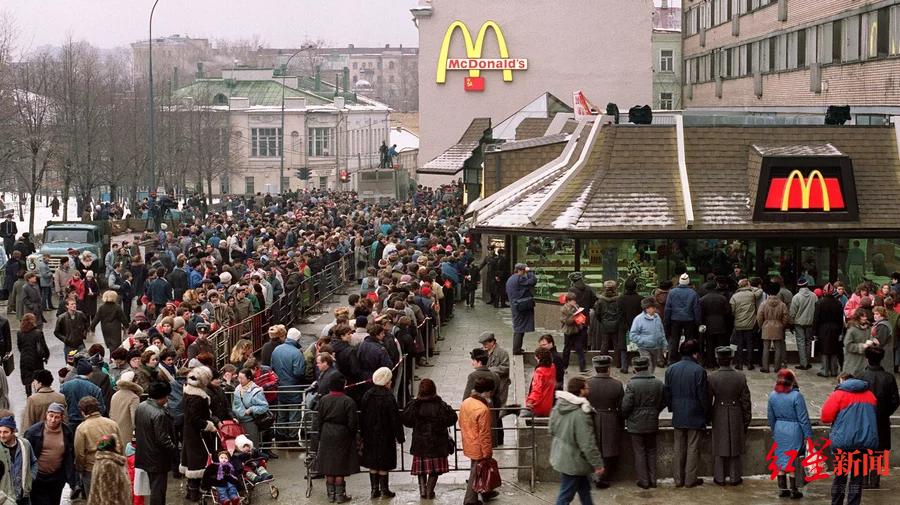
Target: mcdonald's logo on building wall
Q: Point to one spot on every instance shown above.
(473, 62)
(805, 192)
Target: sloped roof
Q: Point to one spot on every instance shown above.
(532, 127)
(630, 183)
(451, 161)
(261, 93)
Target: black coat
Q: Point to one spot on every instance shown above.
(731, 411)
(828, 323)
(372, 355)
(688, 390)
(716, 313)
(381, 429)
(631, 306)
(884, 387)
(112, 322)
(346, 359)
(605, 395)
(155, 435)
(336, 424)
(474, 375)
(32, 353)
(219, 404)
(32, 302)
(429, 419)
(178, 279)
(196, 441)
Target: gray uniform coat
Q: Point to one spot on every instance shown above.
(498, 362)
(605, 395)
(474, 375)
(644, 399)
(730, 411)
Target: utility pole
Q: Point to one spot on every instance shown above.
(281, 133)
(152, 184)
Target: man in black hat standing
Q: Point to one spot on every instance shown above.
(645, 398)
(154, 434)
(498, 362)
(605, 396)
(717, 320)
(730, 418)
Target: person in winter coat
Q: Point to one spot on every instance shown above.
(717, 318)
(381, 431)
(688, 388)
(125, 402)
(543, 383)
(585, 296)
(77, 388)
(610, 325)
(773, 318)
(91, 293)
(475, 427)
(112, 320)
(372, 352)
(851, 412)
(519, 288)
(32, 300)
(856, 300)
(644, 399)
(856, 340)
(290, 367)
(743, 308)
(883, 385)
(155, 440)
(55, 468)
(605, 396)
(648, 334)
(828, 324)
(429, 417)
(731, 414)
(248, 401)
(882, 331)
(37, 404)
(498, 362)
(109, 481)
(33, 351)
(337, 457)
(681, 315)
(630, 301)
(802, 312)
(71, 327)
(790, 427)
(87, 437)
(223, 477)
(546, 342)
(573, 452)
(199, 430)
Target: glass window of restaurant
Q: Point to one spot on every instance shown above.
(551, 259)
(873, 259)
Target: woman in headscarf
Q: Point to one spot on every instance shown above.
(109, 480)
(91, 293)
(789, 423)
(33, 350)
(381, 431)
(337, 456)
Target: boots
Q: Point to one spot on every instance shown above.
(795, 493)
(782, 487)
(874, 480)
(385, 490)
(374, 481)
(432, 481)
(329, 488)
(235, 501)
(340, 493)
(423, 483)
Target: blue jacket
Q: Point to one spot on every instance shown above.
(449, 271)
(789, 423)
(372, 355)
(682, 304)
(647, 332)
(195, 278)
(74, 390)
(288, 363)
(688, 389)
(851, 412)
(253, 399)
(160, 291)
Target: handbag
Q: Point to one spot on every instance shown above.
(524, 304)
(487, 476)
(263, 421)
(9, 363)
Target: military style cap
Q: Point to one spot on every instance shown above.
(641, 362)
(602, 361)
(724, 352)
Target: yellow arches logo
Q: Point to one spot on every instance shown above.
(473, 62)
(805, 188)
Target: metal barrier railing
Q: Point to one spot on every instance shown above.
(288, 309)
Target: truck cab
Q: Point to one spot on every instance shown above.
(61, 236)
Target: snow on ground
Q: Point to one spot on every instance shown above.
(42, 214)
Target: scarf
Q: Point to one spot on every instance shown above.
(222, 469)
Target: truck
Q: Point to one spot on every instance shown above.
(61, 236)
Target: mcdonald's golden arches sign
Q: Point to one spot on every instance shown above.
(473, 62)
(813, 188)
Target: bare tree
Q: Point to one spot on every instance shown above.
(209, 138)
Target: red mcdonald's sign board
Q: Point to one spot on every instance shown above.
(809, 191)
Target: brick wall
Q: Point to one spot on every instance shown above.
(765, 20)
(514, 165)
(870, 83)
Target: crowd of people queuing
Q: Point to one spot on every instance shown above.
(727, 324)
(148, 401)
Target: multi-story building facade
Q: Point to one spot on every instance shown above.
(792, 56)
(666, 46)
(330, 137)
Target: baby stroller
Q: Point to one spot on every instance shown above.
(228, 434)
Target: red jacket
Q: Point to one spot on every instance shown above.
(543, 386)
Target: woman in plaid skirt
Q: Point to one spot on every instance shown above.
(429, 417)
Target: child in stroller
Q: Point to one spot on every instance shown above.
(250, 460)
(221, 478)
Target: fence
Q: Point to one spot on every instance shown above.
(291, 308)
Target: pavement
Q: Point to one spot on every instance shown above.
(449, 373)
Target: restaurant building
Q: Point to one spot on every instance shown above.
(652, 202)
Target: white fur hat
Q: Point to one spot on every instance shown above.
(241, 441)
(200, 377)
(382, 376)
(293, 334)
(127, 375)
(225, 277)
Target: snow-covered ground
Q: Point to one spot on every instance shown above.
(42, 214)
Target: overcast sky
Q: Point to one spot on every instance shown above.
(279, 23)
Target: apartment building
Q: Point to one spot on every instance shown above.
(792, 56)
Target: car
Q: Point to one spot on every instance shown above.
(59, 237)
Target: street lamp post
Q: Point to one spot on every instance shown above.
(281, 133)
(152, 185)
